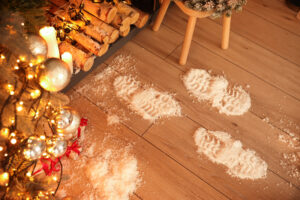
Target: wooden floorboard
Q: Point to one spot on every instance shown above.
(247, 55)
(263, 57)
(267, 35)
(268, 102)
(251, 130)
(163, 178)
(276, 12)
(92, 89)
(176, 138)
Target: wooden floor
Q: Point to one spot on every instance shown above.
(264, 53)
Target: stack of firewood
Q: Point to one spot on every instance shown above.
(98, 25)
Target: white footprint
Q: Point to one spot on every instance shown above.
(220, 148)
(149, 103)
(203, 86)
(235, 101)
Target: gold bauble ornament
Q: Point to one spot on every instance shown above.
(38, 47)
(67, 122)
(57, 146)
(54, 75)
(35, 148)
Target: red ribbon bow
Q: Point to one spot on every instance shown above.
(83, 122)
(74, 147)
(48, 171)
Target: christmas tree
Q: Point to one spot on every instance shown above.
(36, 126)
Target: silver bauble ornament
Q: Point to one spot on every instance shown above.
(57, 147)
(35, 148)
(37, 46)
(54, 75)
(67, 122)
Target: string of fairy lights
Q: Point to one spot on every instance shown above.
(30, 97)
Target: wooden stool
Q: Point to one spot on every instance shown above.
(193, 15)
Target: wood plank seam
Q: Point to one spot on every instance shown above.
(147, 129)
(137, 196)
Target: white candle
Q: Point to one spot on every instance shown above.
(67, 57)
(49, 35)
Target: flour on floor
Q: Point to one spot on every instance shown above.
(228, 100)
(220, 148)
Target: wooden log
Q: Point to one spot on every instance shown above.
(95, 32)
(128, 11)
(125, 32)
(143, 19)
(112, 32)
(89, 44)
(121, 22)
(104, 11)
(81, 59)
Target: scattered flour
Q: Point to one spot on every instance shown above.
(115, 175)
(230, 101)
(112, 119)
(149, 103)
(291, 160)
(220, 148)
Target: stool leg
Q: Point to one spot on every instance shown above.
(187, 39)
(226, 31)
(161, 14)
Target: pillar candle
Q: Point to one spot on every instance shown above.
(49, 35)
(67, 57)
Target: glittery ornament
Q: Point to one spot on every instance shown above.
(57, 147)
(38, 47)
(54, 75)
(34, 149)
(67, 122)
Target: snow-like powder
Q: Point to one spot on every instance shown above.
(149, 103)
(203, 86)
(220, 148)
(114, 176)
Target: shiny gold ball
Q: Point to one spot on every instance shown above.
(54, 75)
(57, 147)
(35, 148)
(67, 122)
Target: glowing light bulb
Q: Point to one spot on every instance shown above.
(12, 120)
(2, 57)
(18, 60)
(5, 132)
(4, 178)
(13, 134)
(1, 148)
(22, 24)
(30, 64)
(43, 137)
(30, 76)
(5, 154)
(35, 94)
(54, 178)
(16, 67)
(19, 108)
(13, 141)
(22, 58)
(28, 174)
